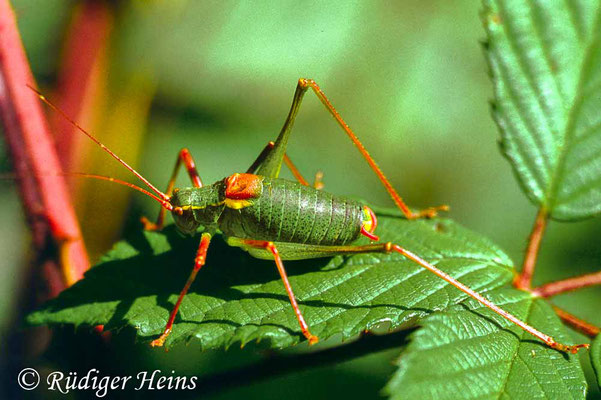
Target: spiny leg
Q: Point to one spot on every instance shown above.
(184, 157)
(278, 261)
(273, 160)
(199, 261)
(390, 247)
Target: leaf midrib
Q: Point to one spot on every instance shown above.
(559, 170)
(517, 356)
(516, 353)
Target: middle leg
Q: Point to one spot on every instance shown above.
(273, 159)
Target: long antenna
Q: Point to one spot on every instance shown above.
(162, 195)
(164, 203)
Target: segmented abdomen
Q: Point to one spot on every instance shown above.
(290, 212)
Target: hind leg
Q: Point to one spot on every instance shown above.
(271, 162)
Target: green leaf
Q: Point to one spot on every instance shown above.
(237, 299)
(596, 358)
(545, 59)
(462, 354)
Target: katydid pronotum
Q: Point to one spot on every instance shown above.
(277, 219)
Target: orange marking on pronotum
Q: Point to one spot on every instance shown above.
(243, 186)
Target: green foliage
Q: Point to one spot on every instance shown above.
(596, 358)
(546, 67)
(462, 354)
(544, 59)
(240, 299)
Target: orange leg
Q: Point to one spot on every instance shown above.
(478, 297)
(184, 157)
(390, 247)
(278, 261)
(428, 213)
(199, 261)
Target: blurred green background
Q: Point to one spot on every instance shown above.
(408, 76)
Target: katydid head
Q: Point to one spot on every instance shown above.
(196, 207)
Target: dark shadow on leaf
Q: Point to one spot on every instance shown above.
(238, 325)
(163, 275)
(136, 284)
(488, 319)
(321, 303)
(504, 329)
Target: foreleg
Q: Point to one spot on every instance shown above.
(184, 157)
(199, 261)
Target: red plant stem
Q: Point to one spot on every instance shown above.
(581, 326)
(47, 203)
(80, 77)
(568, 285)
(524, 279)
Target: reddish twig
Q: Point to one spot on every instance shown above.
(81, 76)
(581, 326)
(524, 279)
(47, 203)
(568, 285)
